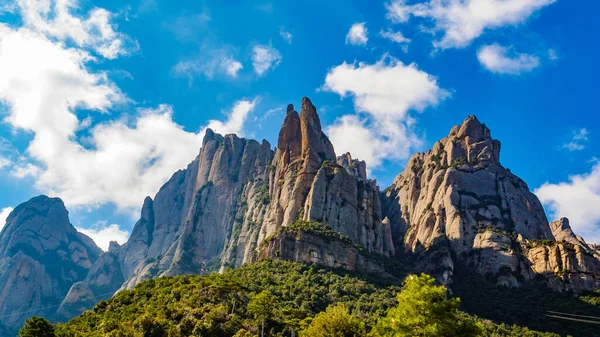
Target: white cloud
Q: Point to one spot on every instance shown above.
(385, 91)
(396, 37)
(43, 85)
(236, 118)
(579, 137)
(209, 63)
(264, 58)
(501, 60)
(102, 233)
(577, 199)
(462, 21)
(5, 162)
(357, 35)
(24, 170)
(54, 19)
(287, 36)
(3, 215)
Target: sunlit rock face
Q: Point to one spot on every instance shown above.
(240, 201)
(219, 210)
(41, 256)
(457, 203)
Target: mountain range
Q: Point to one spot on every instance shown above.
(240, 201)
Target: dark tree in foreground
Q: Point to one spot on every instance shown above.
(37, 327)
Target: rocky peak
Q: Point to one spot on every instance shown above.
(209, 135)
(469, 143)
(41, 256)
(457, 200)
(472, 128)
(357, 168)
(561, 230)
(290, 137)
(316, 147)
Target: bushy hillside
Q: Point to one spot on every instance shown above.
(287, 295)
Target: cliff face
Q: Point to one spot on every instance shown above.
(240, 201)
(239, 192)
(41, 256)
(457, 203)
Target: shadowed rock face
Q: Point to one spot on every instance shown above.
(41, 256)
(456, 201)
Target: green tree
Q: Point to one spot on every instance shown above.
(424, 311)
(37, 327)
(335, 321)
(261, 306)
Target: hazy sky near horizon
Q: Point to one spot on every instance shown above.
(102, 101)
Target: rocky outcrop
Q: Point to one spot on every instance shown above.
(307, 247)
(457, 204)
(568, 262)
(79, 298)
(237, 192)
(41, 256)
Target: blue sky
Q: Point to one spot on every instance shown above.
(103, 101)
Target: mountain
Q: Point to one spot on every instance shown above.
(232, 201)
(41, 256)
(457, 204)
(453, 209)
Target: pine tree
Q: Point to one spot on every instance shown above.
(37, 327)
(261, 306)
(425, 311)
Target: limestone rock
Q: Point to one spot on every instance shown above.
(313, 249)
(457, 201)
(41, 256)
(237, 192)
(79, 298)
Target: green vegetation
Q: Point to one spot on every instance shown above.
(417, 166)
(263, 194)
(282, 299)
(37, 327)
(424, 310)
(526, 306)
(335, 321)
(316, 228)
(459, 162)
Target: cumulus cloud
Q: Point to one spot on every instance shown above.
(210, 63)
(576, 143)
(577, 199)
(462, 21)
(44, 84)
(3, 215)
(287, 36)
(501, 60)
(264, 58)
(102, 233)
(55, 19)
(384, 93)
(357, 35)
(396, 37)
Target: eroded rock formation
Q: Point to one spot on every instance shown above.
(41, 256)
(238, 193)
(457, 204)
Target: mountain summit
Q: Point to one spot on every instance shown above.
(240, 201)
(41, 256)
(457, 204)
